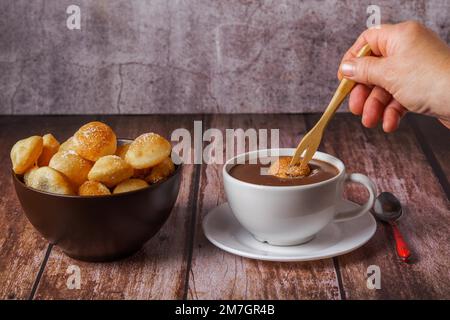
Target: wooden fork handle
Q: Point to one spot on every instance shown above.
(344, 88)
(311, 140)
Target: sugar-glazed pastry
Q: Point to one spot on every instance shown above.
(28, 173)
(93, 188)
(94, 140)
(50, 147)
(74, 167)
(110, 170)
(281, 169)
(147, 150)
(49, 180)
(67, 145)
(25, 153)
(130, 185)
(161, 171)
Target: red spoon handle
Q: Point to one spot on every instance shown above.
(402, 248)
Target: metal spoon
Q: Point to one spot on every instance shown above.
(387, 208)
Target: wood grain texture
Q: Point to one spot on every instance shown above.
(158, 271)
(179, 262)
(22, 249)
(216, 274)
(396, 163)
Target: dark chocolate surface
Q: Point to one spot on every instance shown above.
(254, 173)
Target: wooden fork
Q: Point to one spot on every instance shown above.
(310, 142)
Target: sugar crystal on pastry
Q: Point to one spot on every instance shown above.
(281, 168)
(49, 180)
(50, 147)
(94, 140)
(110, 170)
(161, 171)
(147, 150)
(130, 185)
(93, 188)
(74, 167)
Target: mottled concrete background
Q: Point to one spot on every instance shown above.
(164, 56)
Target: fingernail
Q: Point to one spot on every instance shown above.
(385, 127)
(364, 120)
(348, 69)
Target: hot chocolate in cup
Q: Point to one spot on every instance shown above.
(291, 214)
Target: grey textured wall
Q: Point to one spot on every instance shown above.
(163, 56)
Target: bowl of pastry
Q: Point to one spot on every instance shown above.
(97, 197)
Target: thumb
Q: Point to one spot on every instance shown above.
(366, 70)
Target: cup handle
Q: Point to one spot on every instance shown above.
(354, 213)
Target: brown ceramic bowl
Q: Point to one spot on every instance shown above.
(100, 228)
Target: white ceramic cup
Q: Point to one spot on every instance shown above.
(291, 215)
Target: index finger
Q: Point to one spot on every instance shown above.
(377, 38)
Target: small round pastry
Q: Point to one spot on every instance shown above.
(130, 185)
(161, 171)
(147, 150)
(67, 145)
(26, 176)
(25, 153)
(110, 170)
(122, 150)
(74, 167)
(50, 147)
(93, 188)
(94, 140)
(281, 169)
(49, 180)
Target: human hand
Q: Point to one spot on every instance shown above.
(409, 70)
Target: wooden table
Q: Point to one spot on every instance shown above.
(180, 263)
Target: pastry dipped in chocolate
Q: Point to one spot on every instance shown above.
(281, 168)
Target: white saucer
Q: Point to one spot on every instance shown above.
(223, 230)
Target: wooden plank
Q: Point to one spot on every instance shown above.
(216, 274)
(158, 271)
(396, 163)
(434, 139)
(22, 249)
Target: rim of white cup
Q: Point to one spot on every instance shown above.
(292, 150)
